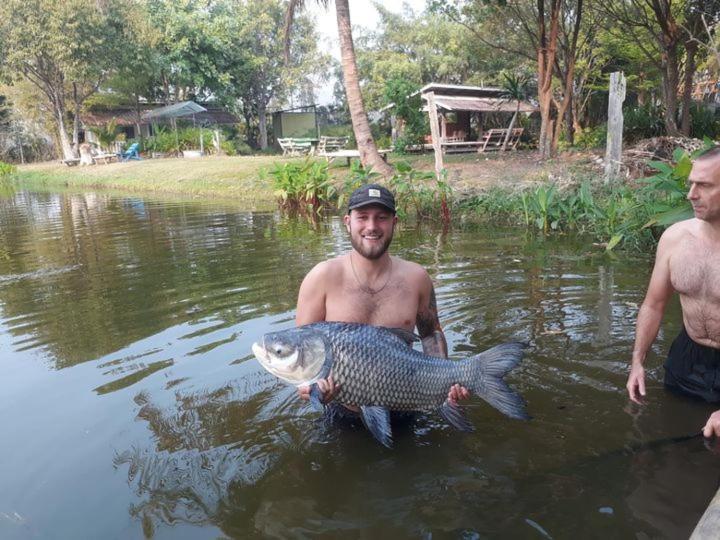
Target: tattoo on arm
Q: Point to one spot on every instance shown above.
(428, 326)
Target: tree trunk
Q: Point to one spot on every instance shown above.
(76, 118)
(685, 124)
(670, 88)
(58, 105)
(262, 127)
(547, 47)
(369, 155)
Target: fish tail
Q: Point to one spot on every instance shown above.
(488, 369)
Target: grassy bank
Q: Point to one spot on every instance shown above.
(236, 178)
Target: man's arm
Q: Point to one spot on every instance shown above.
(310, 309)
(650, 315)
(428, 323)
(311, 298)
(432, 336)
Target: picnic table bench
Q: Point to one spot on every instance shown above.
(493, 139)
(458, 144)
(296, 147)
(350, 154)
(331, 144)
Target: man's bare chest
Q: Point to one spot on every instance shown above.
(396, 305)
(695, 271)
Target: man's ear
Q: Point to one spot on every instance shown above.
(346, 220)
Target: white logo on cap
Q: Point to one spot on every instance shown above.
(373, 192)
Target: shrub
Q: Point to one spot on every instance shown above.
(703, 122)
(303, 186)
(588, 138)
(7, 169)
(643, 122)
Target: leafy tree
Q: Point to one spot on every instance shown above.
(369, 155)
(257, 74)
(64, 48)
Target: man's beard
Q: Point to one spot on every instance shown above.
(374, 252)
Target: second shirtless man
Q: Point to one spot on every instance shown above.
(688, 262)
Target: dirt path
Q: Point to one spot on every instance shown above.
(472, 173)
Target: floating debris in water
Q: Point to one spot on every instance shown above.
(537, 527)
(606, 510)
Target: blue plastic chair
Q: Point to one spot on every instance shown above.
(131, 153)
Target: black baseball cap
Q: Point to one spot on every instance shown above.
(372, 194)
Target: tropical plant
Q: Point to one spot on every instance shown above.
(303, 186)
(106, 134)
(515, 88)
(668, 187)
(421, 190)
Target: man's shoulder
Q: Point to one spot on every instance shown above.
(410, 268)
(679, 231)
(325, 270)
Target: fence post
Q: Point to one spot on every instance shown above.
(613, 151)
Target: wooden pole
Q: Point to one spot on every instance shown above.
(709, 524)
(613, 151)
(435, 134)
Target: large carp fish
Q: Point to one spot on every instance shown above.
(378, 371)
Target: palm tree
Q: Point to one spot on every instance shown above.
(369, 155)
(106, 134)
(515, 88)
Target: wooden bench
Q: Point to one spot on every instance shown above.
(350, 154)
(458, 144)
(105, 158)
(331, 144)
(493, 139)
(71, 162)
(295, 147)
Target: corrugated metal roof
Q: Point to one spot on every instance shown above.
(481, 104)
(125, 116)
(176, 110)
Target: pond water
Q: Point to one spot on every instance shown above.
(131, 406)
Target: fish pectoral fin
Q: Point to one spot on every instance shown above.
(455, 416)
(316, 398)
(405, 335)
(377, 421)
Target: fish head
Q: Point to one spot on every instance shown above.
(297, 355)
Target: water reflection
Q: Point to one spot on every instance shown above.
(127, 383)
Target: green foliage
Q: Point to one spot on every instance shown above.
(703, 122)
(303, 186)
(420, 191)
(7, 169)
(613, 215)
(167, 142)
(643, 122)
(407, 108)
(666, 191)
(595, 137)
(107, 134)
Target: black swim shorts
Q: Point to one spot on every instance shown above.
(693, 369)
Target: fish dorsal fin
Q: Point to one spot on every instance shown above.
(455, 416)
(405, 335)
(377, 421)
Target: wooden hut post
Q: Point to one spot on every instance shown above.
(435, 134)
(613, 151)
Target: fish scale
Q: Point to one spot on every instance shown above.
(376, 370)
(375, 367)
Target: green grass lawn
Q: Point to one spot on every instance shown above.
(227, 177)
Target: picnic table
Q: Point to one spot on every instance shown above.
(350, 154)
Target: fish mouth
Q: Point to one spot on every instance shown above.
(261, 353)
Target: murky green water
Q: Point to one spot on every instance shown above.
(130, 404)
